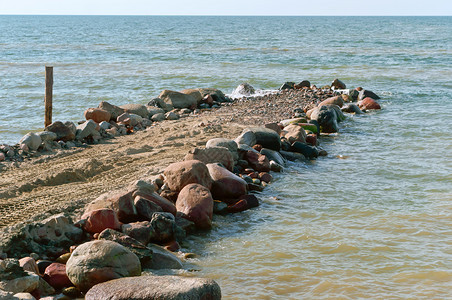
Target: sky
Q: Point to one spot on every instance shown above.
(229, 7)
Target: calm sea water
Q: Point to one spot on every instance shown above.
(372, 220)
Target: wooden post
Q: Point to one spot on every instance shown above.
(48, 96)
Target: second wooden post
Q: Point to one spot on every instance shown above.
(48, 96)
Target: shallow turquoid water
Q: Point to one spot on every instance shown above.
(371, 220)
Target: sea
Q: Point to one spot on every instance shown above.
(372, 220)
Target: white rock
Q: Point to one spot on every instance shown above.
(86, 129)
(32, 140)
(47, 136)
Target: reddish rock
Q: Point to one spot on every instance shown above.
(264, 176)
(100, 219)
(253, 174)
(368, 103)
(311, 139)
(208, 99)
(336, 100)
(121, 202)
(196, 203)
(55, 275)
(63, 132)
(226, 185)
(239, 206)
(210, 155)
(179, 174)
(295, 132)
(97, 115)
(258, 161)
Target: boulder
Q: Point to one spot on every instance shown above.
(294, 132)
(226, 185)
(86, 129)
(287, 86)
(164, 226)
(171, 115)
(140, 231)
(308, 151)
(29, 264)
(100, 219)
(309, 126)
(251, 200)
(14, 279)
(274, 126)
(145, 208)
(114, 110)
(179, 174)
(216, 94)
(178, 100)
(196, 203)
(246, 138)
(162, 259)
(366, 93)
(266, 137)
(154, 110)
(137, 109)
(122, 202)
(32, 140)
(231, 145)
(158, 117)
(352, 108)
(195, 93)
(303, 84)
(336, 100)
(143, 253)
(55, 275)
(159, 103)
(258, 161)
(97, 115)
(209, 155)
(99, 261)
(155, 198)
(293, 156)
(368, 103)
(327, 118)
(311, 139)
(47, 136)
(244, 89)
(156, 287)
(338, 85)
(274, 155)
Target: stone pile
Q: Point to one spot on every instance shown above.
(122, 232)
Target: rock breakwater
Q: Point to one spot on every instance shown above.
(146, 219)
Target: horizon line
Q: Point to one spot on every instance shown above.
(213, 15)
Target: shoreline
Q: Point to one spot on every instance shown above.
(210, 124)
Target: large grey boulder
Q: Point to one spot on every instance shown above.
(137, 109)
(231, 145)
(274, 155)
(244, 89)
(177, 99)
(114, 110)
(246, 138)
(162, 259)
(266, 137)
(32, 140)
(99, 261)
(156, 287)
(14, 279)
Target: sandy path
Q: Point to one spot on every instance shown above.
(68, 180)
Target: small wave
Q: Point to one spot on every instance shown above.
(257, 93)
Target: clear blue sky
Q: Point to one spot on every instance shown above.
(229, 7)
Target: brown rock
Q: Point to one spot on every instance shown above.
(239, 206)
(258, 161)
(264, 176)
(196, 203)
(29, 264)
(100, 219)
(63, 132)
(179, 174)
(337, 84)
(337, 100)
(55, 275)
(114, 110)
(120, 201)
(274, 126)
(210, 155)
(311, 139)
(195, 93)
(97, 115)
(368, 103)
(226, 185)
